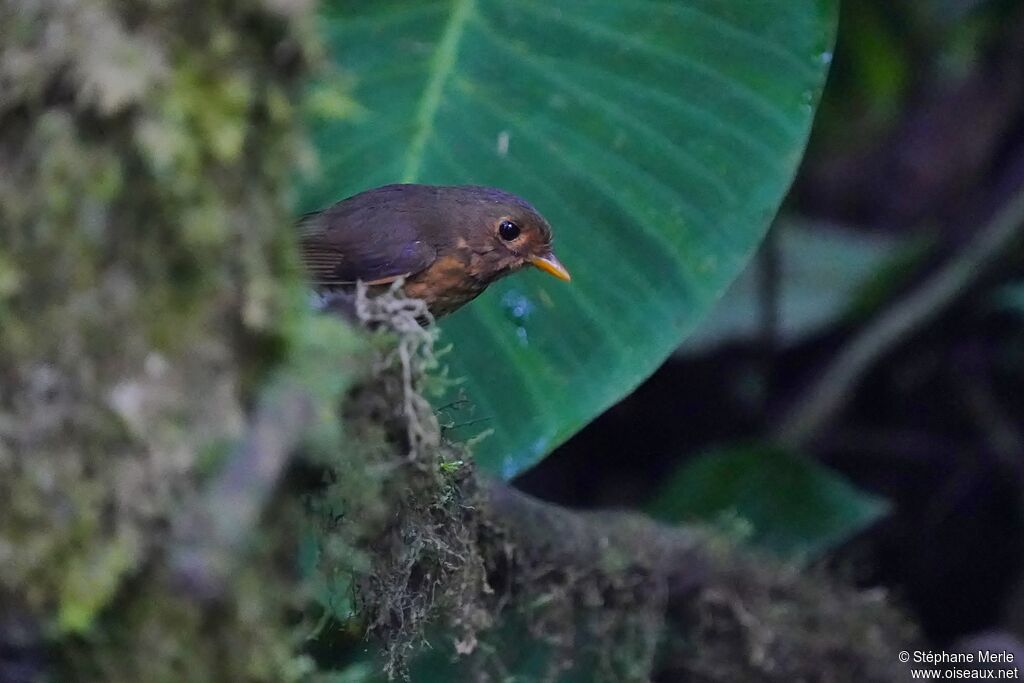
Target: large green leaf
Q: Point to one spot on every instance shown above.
(658, 138)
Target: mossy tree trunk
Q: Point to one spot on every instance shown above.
(145, 149)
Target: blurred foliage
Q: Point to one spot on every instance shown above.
(881, 49)
(1010, 297)
(821, 272)
(657, 138)
(788, 504)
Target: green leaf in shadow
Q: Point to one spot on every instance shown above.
(791, 505)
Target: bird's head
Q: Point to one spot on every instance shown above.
(506, 234)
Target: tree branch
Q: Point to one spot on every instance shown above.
(837, 383)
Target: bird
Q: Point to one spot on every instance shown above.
(448, 242)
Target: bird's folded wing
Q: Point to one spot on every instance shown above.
(378, 256)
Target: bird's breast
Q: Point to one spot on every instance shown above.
(445, 285)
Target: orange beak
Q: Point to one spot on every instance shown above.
(551, 265)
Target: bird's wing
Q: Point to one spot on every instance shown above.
(336, 256)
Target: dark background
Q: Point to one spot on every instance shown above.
(918, 144)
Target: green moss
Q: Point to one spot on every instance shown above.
(92, 578)
(148, 294)
(156, 633)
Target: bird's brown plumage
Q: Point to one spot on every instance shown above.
(446, 241)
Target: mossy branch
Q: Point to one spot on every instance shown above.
(629, 597)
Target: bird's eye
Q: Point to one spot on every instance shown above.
(508, 231)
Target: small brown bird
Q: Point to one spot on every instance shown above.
(448, 242)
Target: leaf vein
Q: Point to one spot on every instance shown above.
(443, 64)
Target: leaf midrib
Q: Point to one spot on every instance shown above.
(442, 64)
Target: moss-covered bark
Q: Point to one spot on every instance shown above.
(145, 149)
